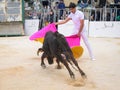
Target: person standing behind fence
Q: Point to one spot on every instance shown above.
(51, 16)
(61, 7)
(45, 3)
(83, 3)
(79, 28)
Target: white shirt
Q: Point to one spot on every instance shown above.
(76, 17)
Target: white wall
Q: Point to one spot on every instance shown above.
(104, 29)
(94, 28)
(31, 26)
(66, 29)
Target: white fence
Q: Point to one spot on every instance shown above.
(95, 29)
(31, 26)
(104, 29)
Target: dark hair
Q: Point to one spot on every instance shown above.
(72, 5)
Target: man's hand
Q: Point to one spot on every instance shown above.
(78, 34)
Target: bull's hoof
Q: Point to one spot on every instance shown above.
(43, 66)
(72, 76)
(59, 67)
(84, 76)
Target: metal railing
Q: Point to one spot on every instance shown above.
(102, 14)
(97, 14)
(91, 14)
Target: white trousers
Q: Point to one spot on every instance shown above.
(87, 44)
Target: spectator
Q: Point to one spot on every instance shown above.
(51, 16)
(30, 15)
(37, 6)
(83, 3)
(45, 3)
(102, 3)
(116, 1)
(108, 16)
(117, 5)
(113, 15)
(92, 17)
(95, 15)
(118, 15)
(98, 15)
(61, 7)
(96, 3)
(118, 18)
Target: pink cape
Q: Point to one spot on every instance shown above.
(73, 40)
(41, 33)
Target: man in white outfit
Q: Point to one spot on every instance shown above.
(79, 28)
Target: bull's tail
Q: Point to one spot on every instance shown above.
(39, 50)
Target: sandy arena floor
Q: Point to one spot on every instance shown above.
(20, 67)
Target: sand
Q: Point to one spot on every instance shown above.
(20, 67)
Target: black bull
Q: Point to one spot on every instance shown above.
(55, 45)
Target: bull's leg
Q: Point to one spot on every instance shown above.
(80, 70)
(67, 66)
(58, 64)
(50, 59)
(42, 60)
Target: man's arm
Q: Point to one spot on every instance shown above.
(63, 21)
(81, 26)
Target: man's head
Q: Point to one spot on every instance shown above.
(72, 7)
